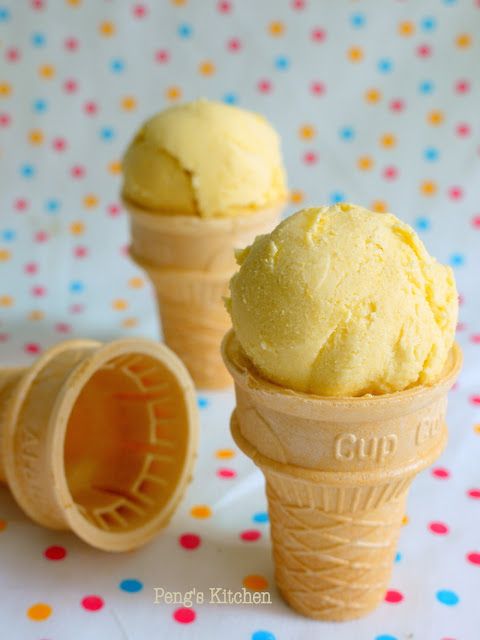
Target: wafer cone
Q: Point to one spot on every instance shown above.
(337, 474)
(190, 261)
(99, 439)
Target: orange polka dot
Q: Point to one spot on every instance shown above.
(77, 228)
(379, 206)
(36, 314)
(306, 132)
(119, 304)
(107, 29)
(3, 525)
(476, 428)
(428, 188)
(129, 323)
(276, 28)
(5, 255)
(39, 611)
(255, 583)
(6, 301)
(206, 68)
(136, 282)
(296, 196)
(128, 103)
(46, 71)
(373, 96)
(179, 3)
(35, 136)
(201, 511)
(365, 163)
(435, 117)
(224, 454)
(74, 3)
(5, 89)
(463, 40)
(173, 93)
(388, 140)
(405, 520)
(355, 54)
(406, 28)
(114, 167)
(90, 201)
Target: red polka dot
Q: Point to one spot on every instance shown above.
(393, 596)
(298, 5)
(234, 45)
(184, 615)
(317, 88)
(397, 105)
(62, 327)
(4, 337)
(455, 193)
(92, 603)
(474, 493)
(31, 268)
(474, 557)
(264, 86)
(12, 54)
(251, 535)
(462, 86)
(5, 119)
(71, 44)
(59, 144)
(390, 173)
(318, 34)
(475, 338)
(310, 157)
(70, 86)
(77, 171)
(463, 130)
(224, 6)
(40, 236)
(189, 541)
(32, 348)
(80, 252)
(439, 528)
(37, 4)
(77, 308)
(140, 10)
(162, 56)
(90, 108)
(21, 204)
(38, 291)
(424, 51)
(475, 399)
(55, 553)
(441, 472)
(226, 473)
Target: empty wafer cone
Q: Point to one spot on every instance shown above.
(337, 474)
(190, 261)
(99, 439)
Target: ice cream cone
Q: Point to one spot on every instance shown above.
(99, 439)
(337, 474)
(190, 261)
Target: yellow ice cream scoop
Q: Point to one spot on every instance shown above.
(204, 159)
(341, 301)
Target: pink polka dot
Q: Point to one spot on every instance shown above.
(251, 535)
(475, 338)
(318, 34)
(21, 204)
(298, 5)
(41, 236)
(5, 119)
(397, 105)
(264, 86)
(462, 86)
(463, 130)
(317, 88)
(440, 472)
(55, 553)
(140, 10)
(114, 210)
(476, 222)
(32, 348)
(393, 596)
(92, 603)
(31, 268)
(189, 541)
(226, 473)
(77, 171)
(80, 252)
(12, 54)
(438, 528)
(59, 144)
(455, 193)
(71, 44)
(62, 327)
(38, 291)
(424, 51)
(474, 493)
(77, 308)
(4, 337)
(37, 4)
(474, 557)
(184, 615)
(224, 7)
(234, 45)
(162, 56)
(90, 108)
(70, 86)
(310, 157)
(390, 173)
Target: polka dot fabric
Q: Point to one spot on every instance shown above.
(376, 105)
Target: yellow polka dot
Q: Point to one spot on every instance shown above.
(107, 29)
(379, 206)
(36, 314)
(306, 132)
(206, 68)
(476, 428)
(39, 611)
(224, 454)
(255, 583)
(119, 304)
(296, 196)
(201, 511)
(435, 117)
(388, 140)
(35, 136)
(405, 520)
(128, 103)
(355, 54)
(428, 188)
(276, 28)
(5, 89)
(46, 71)
(179, 3)
(77, 228)
(136, 282)
(365, 163)
(6, 301)
(5, 255)
(129, 323)
(90, 201)
(373, 96)
(114, 167)
(3, 525)
(74, 3)
(463, 40)
(173, 93)
(406, 28)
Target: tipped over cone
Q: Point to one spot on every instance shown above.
(190, 261)
(99, 439)
(337, 474)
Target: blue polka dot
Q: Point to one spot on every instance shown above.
(457, 259)
(230, 98)
(260, 517)
(447, 597)
(5, 14)
(38, 39)
(431, 154)
(386, 637)
(52, 205)
(76, 286)
(422, 224)
(117, 65)
(203, 402)
(185, 30)
(40, 105)
(27, 170)
(263, 635)
(449, 2)
(428, 23)
(282, 63)
(398, 556)
(347, 133)
(131, 585)
(8, 235)
(426, 87)
(107, 133)
(358, 20)
(385, 65)
(337, 196)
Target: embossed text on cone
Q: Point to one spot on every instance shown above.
(99, 439)
(337, 474)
